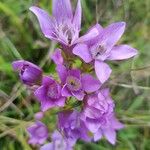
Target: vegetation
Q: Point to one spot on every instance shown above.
(21, 38)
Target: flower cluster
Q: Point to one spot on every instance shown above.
(94, 116)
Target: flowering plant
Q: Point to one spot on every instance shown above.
(87, 109)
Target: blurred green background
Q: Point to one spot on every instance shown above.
(21, 38)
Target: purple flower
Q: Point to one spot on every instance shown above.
(76, 84)
(104, 48)
(38, 133)
(99, 117)
(49, 94)
(72, 126)
(58, 143)
(29, 73)
(64, 26)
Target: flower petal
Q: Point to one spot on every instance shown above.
(60, 102)
(17, 65)
(78, 94)
(62, 10)
(89, 83)
(40, 93)
(78, 15)
(110, 135)
(102, 70)
(115, 123)
(92, 124)
(65, 92)
(57, 57)
(91, 36)
(62, 72)
(47, 80)
(82, 51)
(98, 135)
(75, 72)
(122, 52)
(47, 147)
(46, 22)
(47, 104)
(111, 34)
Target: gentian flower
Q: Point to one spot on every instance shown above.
(63, 26)
(29, 73)
(98, 115)
(104, 48)
(38, 133)
(75, 84)
(70, 124)
(58, 143)
(49, 94)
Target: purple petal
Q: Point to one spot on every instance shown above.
(89, 83)
(62, 72)
(65, 92)
(82, 51)
(40, 93)
(31, 75)
(111, 34)
(102, 70)
(17, 65)
(47, 147)
(98, 135)
(47, 80)
(62, 10)
(78, 94)
(122, 52)
(60, 102)
(75, 72)
(116, 124)
(46, 22)
(110, 135)
(57, 57)
(78, 15)
(47, 104)
(92, 125)
(91, 36)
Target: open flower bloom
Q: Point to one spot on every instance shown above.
(64, 25)
(58, 143)
(75, 84)
(104, 48)
(38, 133)
(99, 117)
(29, 73)
(49, 94)
(72, 126)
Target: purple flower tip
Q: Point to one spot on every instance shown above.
(29, 73)
(39, 115)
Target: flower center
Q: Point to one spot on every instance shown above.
(60, 145)
(53, 91)
(66, 32)
(100, 50)
(73, 83)
(24, 67)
